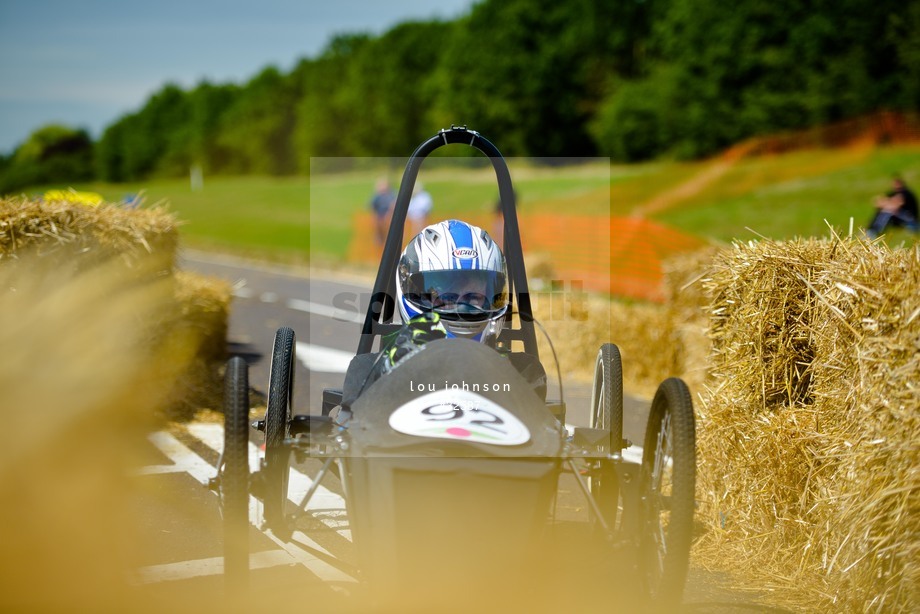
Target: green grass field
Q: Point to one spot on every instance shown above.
(778, 196)
(793, 194)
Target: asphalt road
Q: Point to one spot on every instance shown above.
(180, 529)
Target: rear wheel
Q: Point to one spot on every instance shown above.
(277, 425)
(667, 483)
(234, 478)
(607, 414)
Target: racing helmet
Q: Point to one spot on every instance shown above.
(456, 270)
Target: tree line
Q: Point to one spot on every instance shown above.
(631, 79)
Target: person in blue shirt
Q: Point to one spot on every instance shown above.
(896, 208)
(382, 206)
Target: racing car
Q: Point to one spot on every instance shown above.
(415, 466)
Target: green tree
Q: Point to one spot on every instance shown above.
(209, 103)
(323, 112)
(904, 36)
(155, 139)
(533, 73)
(387, 90)
(255, 131)
(760, 67)
(633, 79)
(635, 123)
(52, 154)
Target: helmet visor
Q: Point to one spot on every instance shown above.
(467, 292)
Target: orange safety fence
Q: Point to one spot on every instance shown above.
(881, 127)
(621, 256)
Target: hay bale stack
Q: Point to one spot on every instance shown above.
(101, 336)
(203, 316)
(685, 296)
(808, 452)
(651, 345)
(94, 234)
(685, 299)
(79, 385)
(648, 344)
(656, 341)
(204, 303)
(140, 245)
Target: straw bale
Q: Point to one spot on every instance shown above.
(685, 299)
(141, 245)
(808, 455)
(91, 234)
(805, 355)
(576, 340)
(203, 304)
(79, 386)
(656, 341)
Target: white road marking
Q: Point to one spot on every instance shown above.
(214, 566)
(326, 506)
(158, 469)
(319, 567)
(322, 359)
(179, 454)
(199, 469)
(325, 311)
(268, 297)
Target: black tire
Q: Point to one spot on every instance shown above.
(607, 395)
(667, 494)
(234, 478)
(607, 414)
(277, 427)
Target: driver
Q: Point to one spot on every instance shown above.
(454, 272)
(451, 282)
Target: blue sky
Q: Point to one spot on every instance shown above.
(87, 62)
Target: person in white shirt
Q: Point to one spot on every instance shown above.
(420, 206)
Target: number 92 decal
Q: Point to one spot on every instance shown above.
(459, 415)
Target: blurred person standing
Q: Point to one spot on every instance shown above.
(420, 206)
(897, 207)
(382, 206)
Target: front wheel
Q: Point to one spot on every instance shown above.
(666, 485)
(607, 414)
(234, 476)
(277, 425)
(607, 395)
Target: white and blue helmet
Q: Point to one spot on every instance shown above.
(456, 270)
